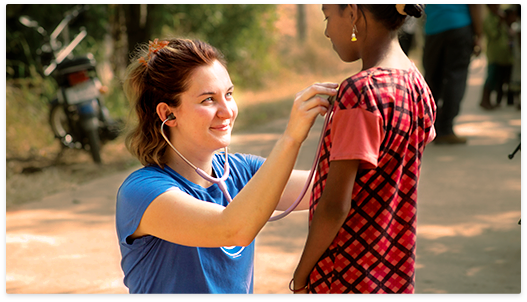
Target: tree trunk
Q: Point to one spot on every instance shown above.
(301, 24)
(138, 24)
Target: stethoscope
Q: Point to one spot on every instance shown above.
(221, 180)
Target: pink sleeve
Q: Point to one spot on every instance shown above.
(431, 135)
(356, 134)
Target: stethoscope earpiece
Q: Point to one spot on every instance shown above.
(171, 117)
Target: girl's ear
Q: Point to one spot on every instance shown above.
(353, 11)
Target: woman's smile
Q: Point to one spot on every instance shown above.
(222, 127)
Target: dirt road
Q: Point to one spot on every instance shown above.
(468, 237)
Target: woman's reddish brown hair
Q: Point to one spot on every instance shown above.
(160, 76)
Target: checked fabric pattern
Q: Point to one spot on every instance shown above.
(374, 251)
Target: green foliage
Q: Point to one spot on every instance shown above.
(243, 32)
(27, 112)
(22, 43)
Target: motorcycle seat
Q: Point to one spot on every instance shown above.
(77, 64)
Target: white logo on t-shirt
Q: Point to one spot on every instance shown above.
(233, 251)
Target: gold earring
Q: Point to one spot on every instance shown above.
(353, 36)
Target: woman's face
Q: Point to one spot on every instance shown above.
(339, 29)
(207, 111)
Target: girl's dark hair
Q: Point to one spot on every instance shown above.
(160, 76)
(388, 15)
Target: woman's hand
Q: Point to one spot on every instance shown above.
(182, 219)
(307, 105)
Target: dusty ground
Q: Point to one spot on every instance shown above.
(468, 237)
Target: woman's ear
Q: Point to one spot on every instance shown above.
(165, 113)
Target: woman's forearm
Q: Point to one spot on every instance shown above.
(180, 218)
(252, 207)
(254, 204)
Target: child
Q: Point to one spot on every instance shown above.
(500, 55)
(363, 208)
(513, 14)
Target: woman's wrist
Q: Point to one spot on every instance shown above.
(289, 141)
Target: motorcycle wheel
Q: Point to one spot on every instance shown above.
(58, 121)
(95, 145)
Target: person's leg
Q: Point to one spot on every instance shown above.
(508, 81)
(500, 80)
(433, 73)
(488, 87)
(459, 47)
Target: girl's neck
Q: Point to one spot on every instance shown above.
(384, 50)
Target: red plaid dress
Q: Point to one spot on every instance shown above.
(384, 118)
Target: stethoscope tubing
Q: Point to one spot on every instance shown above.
(311, 173)
(226, 169)
(219, 181)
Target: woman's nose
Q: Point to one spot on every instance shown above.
(227, 109)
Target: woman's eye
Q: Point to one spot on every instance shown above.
(209, 99)
(229, 94)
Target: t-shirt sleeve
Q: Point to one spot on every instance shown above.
(254, 162)
(356, 134)
(133, 198)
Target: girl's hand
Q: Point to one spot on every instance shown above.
(307, 105)
(304, 291)
(297, 289)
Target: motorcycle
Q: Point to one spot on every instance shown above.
(78, 117)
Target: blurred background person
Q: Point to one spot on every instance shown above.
(515, 83)
(452, 36)
(500, 55)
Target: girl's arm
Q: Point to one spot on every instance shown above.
(329, 216)
(180, 218)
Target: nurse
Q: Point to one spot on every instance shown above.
(177, 231)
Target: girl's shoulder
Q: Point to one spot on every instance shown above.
(377, 76)
(370, 86)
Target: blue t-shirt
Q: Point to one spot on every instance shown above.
(443, 17)
(153, 265)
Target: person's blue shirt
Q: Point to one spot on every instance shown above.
(443, 17)
(153, 265)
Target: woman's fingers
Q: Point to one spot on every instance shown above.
(317, 102)
(315, 97)
(328, 89)
(308, 104)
